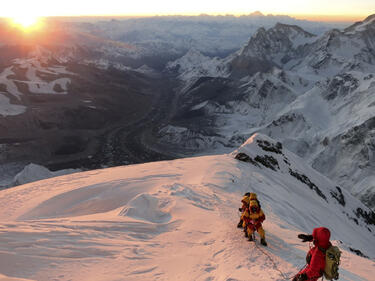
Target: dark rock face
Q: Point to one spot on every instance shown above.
(287, 118)
(270, 147)
(268, 162)
(358, 252)
(340, 86)
(240, 67)
(245, 158)
(338, 196)
(303, 178)
(368, 216)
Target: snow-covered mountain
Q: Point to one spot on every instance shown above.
(268, 48)
(314, 93)
(177, 220)
(193, 65)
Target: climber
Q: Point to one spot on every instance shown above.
(253, 218)
(316, 257)
(245, 204)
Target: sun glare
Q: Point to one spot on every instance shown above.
(25, 22)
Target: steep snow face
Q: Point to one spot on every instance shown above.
(338, 140)
(342, 50)
(267, 48)
(177, 220)
(277, 42)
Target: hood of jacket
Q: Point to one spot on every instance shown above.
(321, 237)
(246, 200)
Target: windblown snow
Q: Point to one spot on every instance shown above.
(176, 220)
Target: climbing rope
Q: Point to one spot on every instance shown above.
(273, 262)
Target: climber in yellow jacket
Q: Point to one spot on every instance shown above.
(245, 204)
(253, 218)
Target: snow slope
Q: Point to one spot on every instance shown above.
(33, 172)
(176, 220)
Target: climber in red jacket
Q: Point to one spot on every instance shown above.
(316, 257)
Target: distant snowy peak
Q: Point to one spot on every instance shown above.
(194, 64)
(257, 14)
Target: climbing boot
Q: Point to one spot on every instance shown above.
(251, 238)
(263, 242)
(239, 225)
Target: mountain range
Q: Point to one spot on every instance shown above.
(79, 96)
(313, 93)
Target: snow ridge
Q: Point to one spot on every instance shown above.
(178, 218)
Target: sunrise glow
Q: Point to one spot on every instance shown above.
(337, 9)
(26, 22)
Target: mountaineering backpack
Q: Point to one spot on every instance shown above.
(331, 270)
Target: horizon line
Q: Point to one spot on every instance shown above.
(310, 17)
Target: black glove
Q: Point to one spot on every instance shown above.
(300, 277)
(305, 237)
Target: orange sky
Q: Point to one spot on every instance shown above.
(333, 10)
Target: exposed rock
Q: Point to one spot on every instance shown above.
(338, 196)
(268, 161)
(267, 146)
(358, 253)
(245, 158)
(303, 178)
(369, 217)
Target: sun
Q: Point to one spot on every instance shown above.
(26, 22)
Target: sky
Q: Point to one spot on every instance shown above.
(309, 8)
